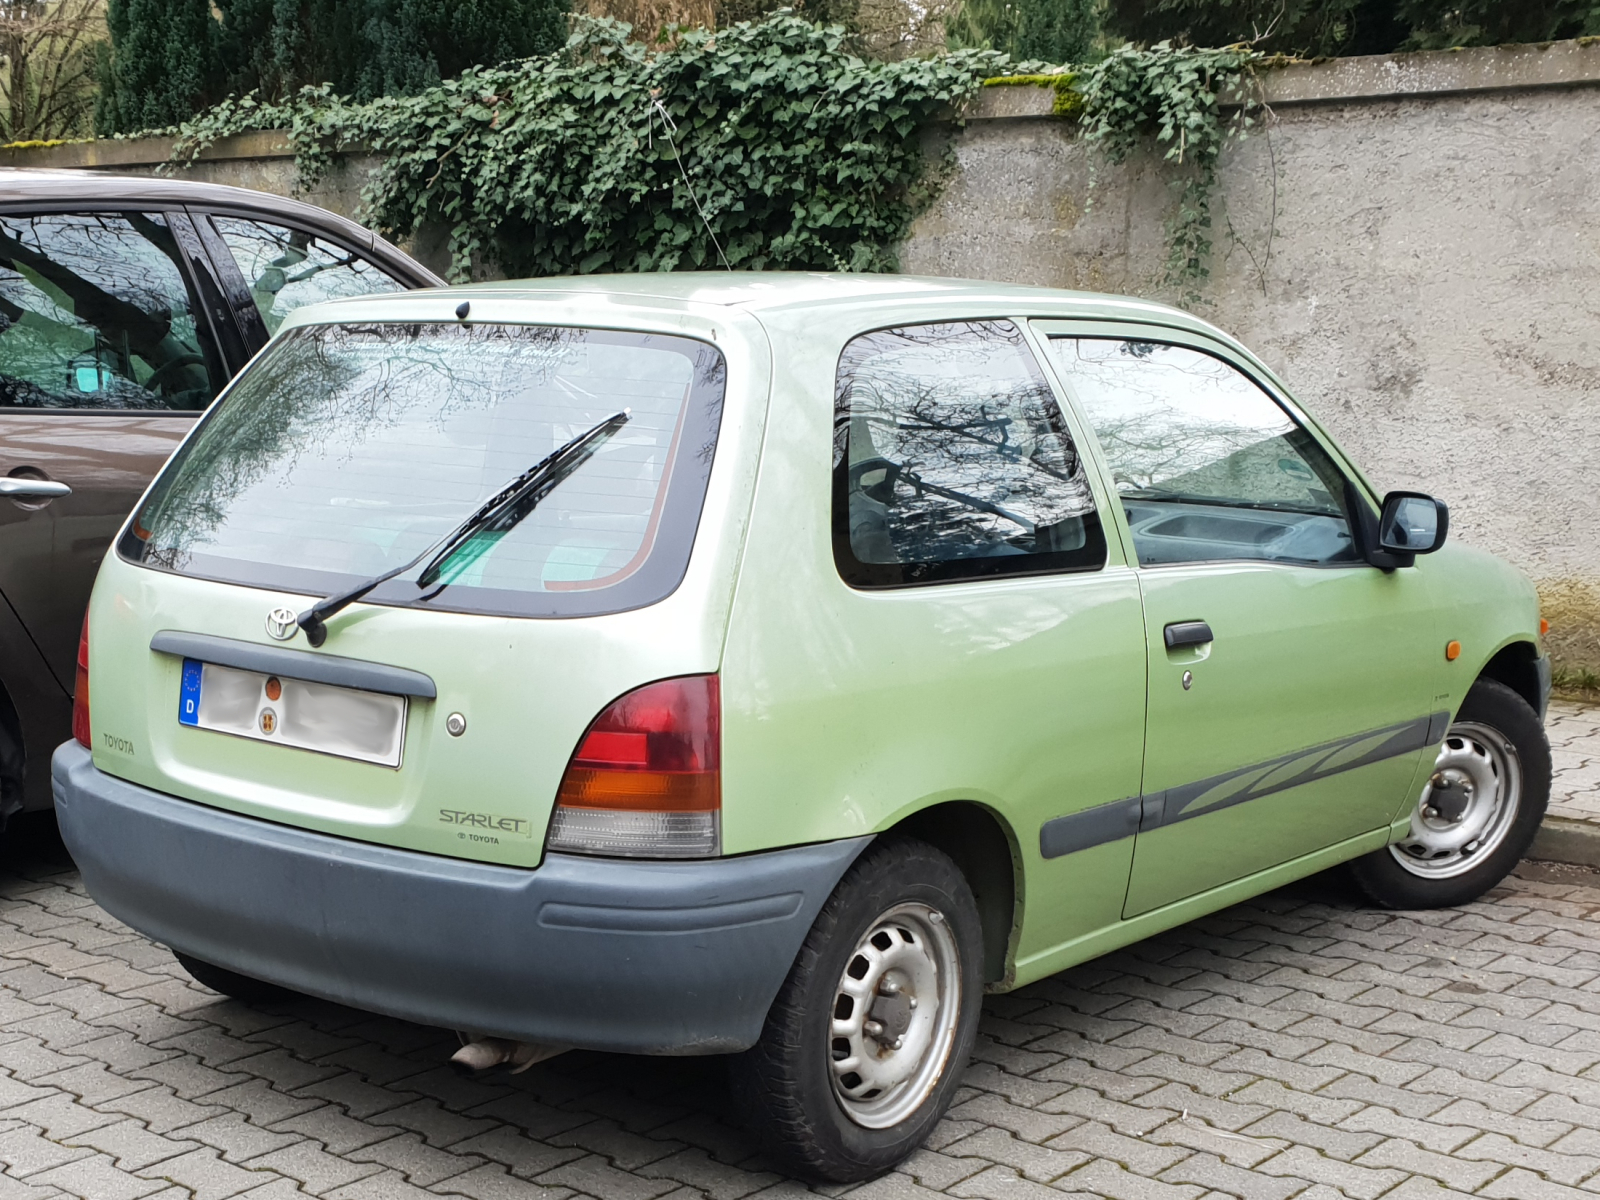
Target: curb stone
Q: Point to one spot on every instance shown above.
(1563, 840)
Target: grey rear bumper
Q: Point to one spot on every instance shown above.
(647, 957)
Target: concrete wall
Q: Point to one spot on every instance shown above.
(1412, 242)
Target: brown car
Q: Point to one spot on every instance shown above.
(125, 305)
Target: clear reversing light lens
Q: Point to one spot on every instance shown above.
(646, 781)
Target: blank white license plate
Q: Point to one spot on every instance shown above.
(350, 723)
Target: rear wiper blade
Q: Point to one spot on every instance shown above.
(500, 512)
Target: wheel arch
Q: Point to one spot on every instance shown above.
(1516, 665)
(984, 848)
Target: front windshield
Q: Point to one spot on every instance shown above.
(348, 449)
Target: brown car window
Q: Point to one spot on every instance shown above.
(95, 313)
(286, 268)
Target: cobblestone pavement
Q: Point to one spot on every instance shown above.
(1296, 1046)
(1574, 731)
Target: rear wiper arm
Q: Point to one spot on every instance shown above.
(502, 511)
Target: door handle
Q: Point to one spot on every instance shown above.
(1186, 633)
(22, 488)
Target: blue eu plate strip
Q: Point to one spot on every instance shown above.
(189, 692)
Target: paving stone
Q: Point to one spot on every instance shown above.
(519, 1154)
(1563, 1168)
(1209, 1171)
(234, 1135)
(1456, 1171)
(995, 1183)
(1346, 1143)
(594, 1176)
(131, 1145)
(1362, 1183)
(1292, 1048)
(937, 1171)
(492, 1182)
(25, 1151)
(309, 1164)
(420, 1163)
(1027, 1123)
(1038, 1163)
(99, 1177)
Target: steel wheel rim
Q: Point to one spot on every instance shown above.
(1480, 762)
(903, 980)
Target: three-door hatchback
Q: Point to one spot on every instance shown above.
(768, 665)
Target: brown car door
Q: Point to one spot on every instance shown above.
(107, 354)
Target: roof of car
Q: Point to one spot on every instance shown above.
(764, 292)
(75, 188)
(761, 290)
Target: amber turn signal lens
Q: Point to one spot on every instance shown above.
(1452, 651)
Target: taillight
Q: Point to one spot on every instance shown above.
(80, 688)
(646, 781)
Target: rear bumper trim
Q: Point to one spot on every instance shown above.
(627, 955)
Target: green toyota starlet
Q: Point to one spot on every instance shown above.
(769, 665)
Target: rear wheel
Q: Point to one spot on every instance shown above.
(232, 984)
(864, 1046)
(1478, 812)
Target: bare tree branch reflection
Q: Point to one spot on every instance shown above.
(349, 448)
(953, 447)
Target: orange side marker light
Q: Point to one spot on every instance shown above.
(1452, 651)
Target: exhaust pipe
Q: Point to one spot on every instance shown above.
(488, 1052)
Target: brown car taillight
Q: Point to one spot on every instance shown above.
(646, 780)
(80, 688)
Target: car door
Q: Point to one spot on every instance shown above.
(992, 620)
(1290, 684)
(108, 351)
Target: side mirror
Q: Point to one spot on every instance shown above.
(1412, 524)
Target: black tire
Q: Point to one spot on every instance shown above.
(1494, 707)
(234, 985)
(785, 1084)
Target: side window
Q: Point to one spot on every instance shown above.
(951, 460)
(94, 313)
(1209, 467)
(286, 268)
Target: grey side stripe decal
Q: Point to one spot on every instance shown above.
(1121, 818)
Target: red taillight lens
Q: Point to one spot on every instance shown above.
(80, 689)
(646, 779)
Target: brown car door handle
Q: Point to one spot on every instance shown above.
(1186, 633)
(22, 488)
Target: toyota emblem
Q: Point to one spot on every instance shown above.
(281, 624)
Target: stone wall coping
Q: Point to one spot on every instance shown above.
(1573, 63)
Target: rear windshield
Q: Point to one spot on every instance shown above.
(346, 450)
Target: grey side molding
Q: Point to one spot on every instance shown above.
(296, 664)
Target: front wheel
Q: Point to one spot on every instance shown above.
(865, 1043)
(1478, 812)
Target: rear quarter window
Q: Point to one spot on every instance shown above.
(347, 450)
